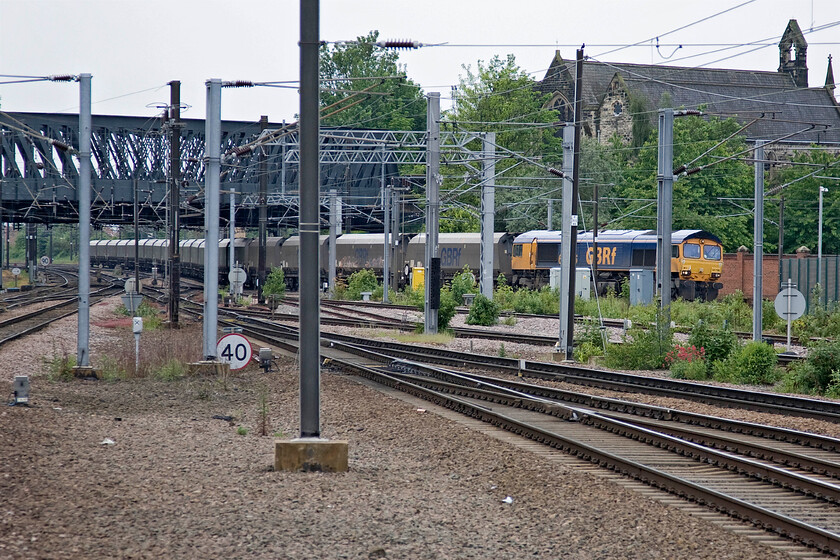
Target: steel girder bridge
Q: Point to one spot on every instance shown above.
(39, 170)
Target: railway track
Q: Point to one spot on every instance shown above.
(783, 481)
(32, 321)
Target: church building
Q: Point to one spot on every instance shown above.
(779, 102)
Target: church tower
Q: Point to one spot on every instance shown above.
(798, 67)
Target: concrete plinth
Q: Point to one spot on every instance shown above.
(208, 368)
(85, 372)
(310, 455)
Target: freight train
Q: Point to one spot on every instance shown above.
(525, 260)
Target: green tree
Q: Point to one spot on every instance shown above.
(713, 199)
(364, 86)
(500, 97)
(275, 283)
(801, 225)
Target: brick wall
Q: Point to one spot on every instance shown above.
(737, 273)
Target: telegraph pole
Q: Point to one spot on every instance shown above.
(664, 218)
(781, 233)
(595, 238)
(567, 250)
(758, 239)
(212, 180)
(571, 241)
(432, 272)
(488, 214)
(83, 352)
(174, 201)
(263, 202)
(386, 209)
(309, 222)
(335, 224)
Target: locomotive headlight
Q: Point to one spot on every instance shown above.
(685, 272)
(715, 274)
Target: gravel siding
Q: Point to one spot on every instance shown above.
(177, 483)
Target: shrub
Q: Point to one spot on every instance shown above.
(463, 283)
(717, 344)
(816, 374)
(542, 302)
(275, 283)
(754, 363)
(503, 294)
(339, 289)
(484, 311)
(640, 349)
(687, 362)
(819, 322)
(586, 350)
(361, 281)
(447, 308)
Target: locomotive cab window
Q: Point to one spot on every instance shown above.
(711, 252)
(675, 251)
(691, 251)
(517, 250)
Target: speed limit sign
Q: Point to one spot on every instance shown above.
(234, 349)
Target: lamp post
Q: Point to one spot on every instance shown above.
(819, 240)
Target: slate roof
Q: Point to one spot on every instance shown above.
(743, 94)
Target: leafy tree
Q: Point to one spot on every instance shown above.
(390, 101)
(801, 225)
(275, 283)
(361, 281)
(500, 97)
(484, 311)
(713, 199)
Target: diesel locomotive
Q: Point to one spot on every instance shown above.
(525, 260)
(696, 259)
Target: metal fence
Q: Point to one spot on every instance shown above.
(806, 273)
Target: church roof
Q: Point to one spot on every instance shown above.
(743, 94)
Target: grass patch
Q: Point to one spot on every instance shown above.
(422, 338)
(60, 367)
(164, 353)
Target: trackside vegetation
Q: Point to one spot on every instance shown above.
(703, 346)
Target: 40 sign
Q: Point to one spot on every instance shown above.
(234, 349)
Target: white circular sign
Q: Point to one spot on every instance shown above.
(237, 276)
(16, 271)
(234, 349)
(790, 304)
(45, 260)
(130, 286)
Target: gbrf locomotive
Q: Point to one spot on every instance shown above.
(525, 260)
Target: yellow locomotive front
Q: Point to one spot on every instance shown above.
(698, 267)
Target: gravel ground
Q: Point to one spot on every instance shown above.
(177, 483)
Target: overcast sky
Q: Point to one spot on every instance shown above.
(134, 47)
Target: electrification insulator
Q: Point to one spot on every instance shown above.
(556, 172)
(688, 112)
(60, 145)
(399, 44)
(679, 169)
(242, 150)
(694, 170)
(62, 78)
(238, 83)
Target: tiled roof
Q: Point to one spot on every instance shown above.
(744, 94)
